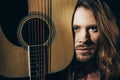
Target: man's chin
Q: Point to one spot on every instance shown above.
(85, 58)
(82, 60)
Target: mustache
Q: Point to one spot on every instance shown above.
(82, 45)
(85, 45)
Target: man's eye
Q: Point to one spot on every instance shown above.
(93, 29)
(75, 28)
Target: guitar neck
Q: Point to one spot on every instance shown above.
(38, 65)
(40, 6)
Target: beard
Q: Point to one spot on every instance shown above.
(86, 52)
(85, 57)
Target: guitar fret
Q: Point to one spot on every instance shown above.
(37, 59)
(33, 73)
(34, 51)
(38, 71)
(40, 66)
(37, 55)
(38, 62)
(34, 67)
(37, 47)
(38, 77)
(41, 75)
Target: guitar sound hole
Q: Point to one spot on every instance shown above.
(35, 31)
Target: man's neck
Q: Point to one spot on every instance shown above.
(89, 70)
(89, 66)
(91, 76)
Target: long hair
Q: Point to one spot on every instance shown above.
(108, 58)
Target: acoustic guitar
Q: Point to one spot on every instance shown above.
(45, 38)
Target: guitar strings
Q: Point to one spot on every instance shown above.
(35, 33)
(39, 56)
(31, 5)
(44, 37)
(50, 14)
(42, 7)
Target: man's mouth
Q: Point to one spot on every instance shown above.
(84, 49)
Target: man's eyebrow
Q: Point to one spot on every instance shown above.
(75, 26)
(92, 25)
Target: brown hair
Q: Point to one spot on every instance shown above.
(108, 58)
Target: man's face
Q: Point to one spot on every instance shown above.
(86, 34)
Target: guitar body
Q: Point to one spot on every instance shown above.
(57, 14)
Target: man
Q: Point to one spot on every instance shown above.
(96, 39)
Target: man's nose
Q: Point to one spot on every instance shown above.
(84, 36)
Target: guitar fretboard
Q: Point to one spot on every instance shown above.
(38, 62)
